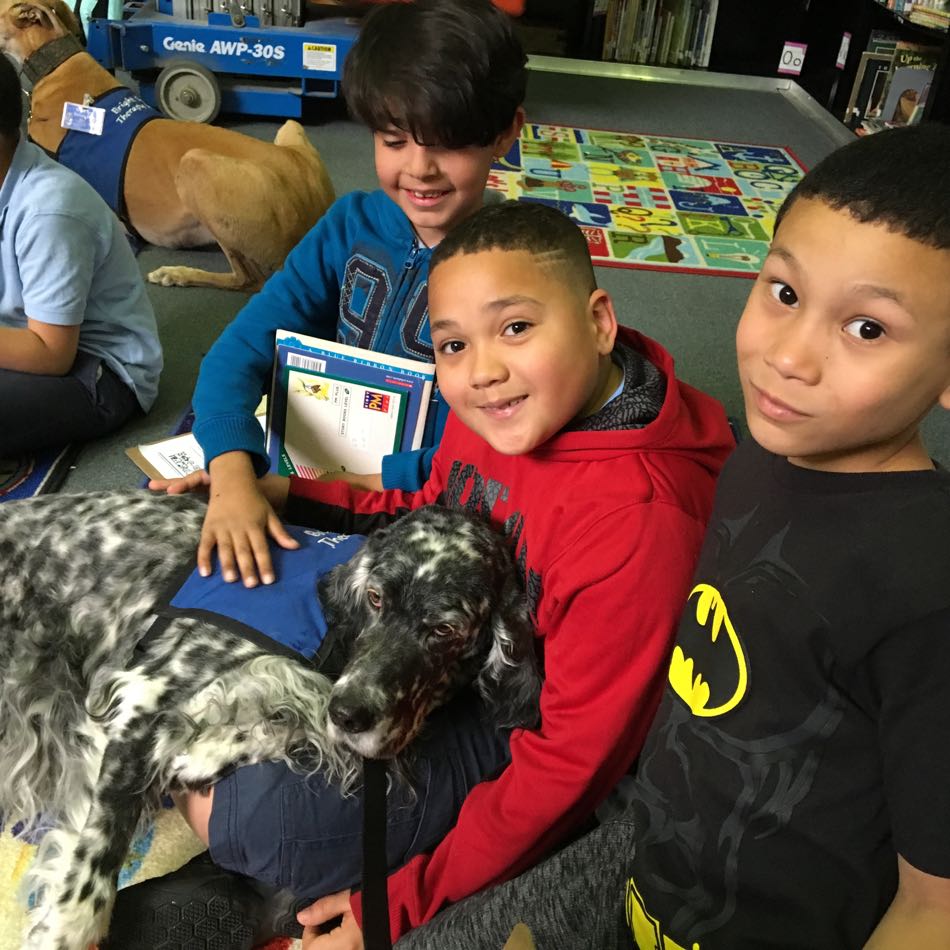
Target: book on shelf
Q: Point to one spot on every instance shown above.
(867, 92)
(935, 15)
(660, 32)
(892, 83)
(342, 408)
(912, 71)
(932, 13)
(611, 22)
(178, 455)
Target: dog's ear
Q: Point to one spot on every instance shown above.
(510, 681)
(342, 590)
(26, 15)
(341, 595)
(57, 18)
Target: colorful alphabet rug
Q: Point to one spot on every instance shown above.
(653, 201)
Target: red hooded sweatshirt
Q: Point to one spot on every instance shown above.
(606, 526)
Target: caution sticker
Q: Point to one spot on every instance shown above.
(320, 57)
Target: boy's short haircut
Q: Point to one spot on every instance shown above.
(897, 177)
(11, 100)
(447, 72)
(528, 226)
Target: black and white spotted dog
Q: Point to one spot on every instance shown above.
(93, 732)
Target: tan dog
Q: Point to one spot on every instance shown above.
(186, 184)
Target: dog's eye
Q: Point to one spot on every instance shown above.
(374, 597)
(444, 630)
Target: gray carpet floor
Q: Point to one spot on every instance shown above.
(694, 316)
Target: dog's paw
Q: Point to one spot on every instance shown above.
(169, 276)
(72, 924)
(63, 914)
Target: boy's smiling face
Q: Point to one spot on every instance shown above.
(844, 344)
(436, 187)
(519, 351)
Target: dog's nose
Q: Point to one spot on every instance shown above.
(350, 717)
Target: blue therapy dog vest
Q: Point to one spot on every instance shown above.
(285, 617)
(101, 159)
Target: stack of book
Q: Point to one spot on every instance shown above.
(935, 14)
(891, 85)
(675, 33)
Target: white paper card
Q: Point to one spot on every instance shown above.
(176, 457)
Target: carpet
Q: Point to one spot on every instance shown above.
(35, 475)
(656, 202)
(165, 845)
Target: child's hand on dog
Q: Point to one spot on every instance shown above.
(239, 520)
(242, 514)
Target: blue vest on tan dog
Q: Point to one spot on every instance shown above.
(285, 617)
(101, 159)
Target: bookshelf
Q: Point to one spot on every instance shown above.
(832, 87)
(671, 33)
(749, 35)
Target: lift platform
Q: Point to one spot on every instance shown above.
(195, 58)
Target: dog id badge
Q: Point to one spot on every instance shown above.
(89, 119)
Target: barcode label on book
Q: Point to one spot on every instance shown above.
(306, 362)
(183, 462)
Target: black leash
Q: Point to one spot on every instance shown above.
(376, 934)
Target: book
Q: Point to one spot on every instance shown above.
(709, 28)
(932, 15)
(867, 92)
(624, 46)
(342, 408)
(178, 455)
(611, 29)
(912, 72)
(882, 41)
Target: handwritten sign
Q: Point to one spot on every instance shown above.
(792, 59)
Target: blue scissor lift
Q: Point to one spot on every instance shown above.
(194, 58)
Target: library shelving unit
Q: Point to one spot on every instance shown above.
(749, 37)
(827, 23)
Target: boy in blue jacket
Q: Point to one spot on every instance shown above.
(440, 83)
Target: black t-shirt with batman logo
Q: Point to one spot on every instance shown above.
(801, 742)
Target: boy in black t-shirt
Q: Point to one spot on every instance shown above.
(794, 790)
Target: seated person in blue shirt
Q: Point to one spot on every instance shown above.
(79, 348)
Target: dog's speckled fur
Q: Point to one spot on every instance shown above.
(91, 735)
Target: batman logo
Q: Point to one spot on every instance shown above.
(713, 678)
(646, 929)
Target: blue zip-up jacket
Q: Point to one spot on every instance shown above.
(359, 276)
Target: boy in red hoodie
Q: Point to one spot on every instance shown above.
(575, 438)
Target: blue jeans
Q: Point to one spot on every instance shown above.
(299, 832)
